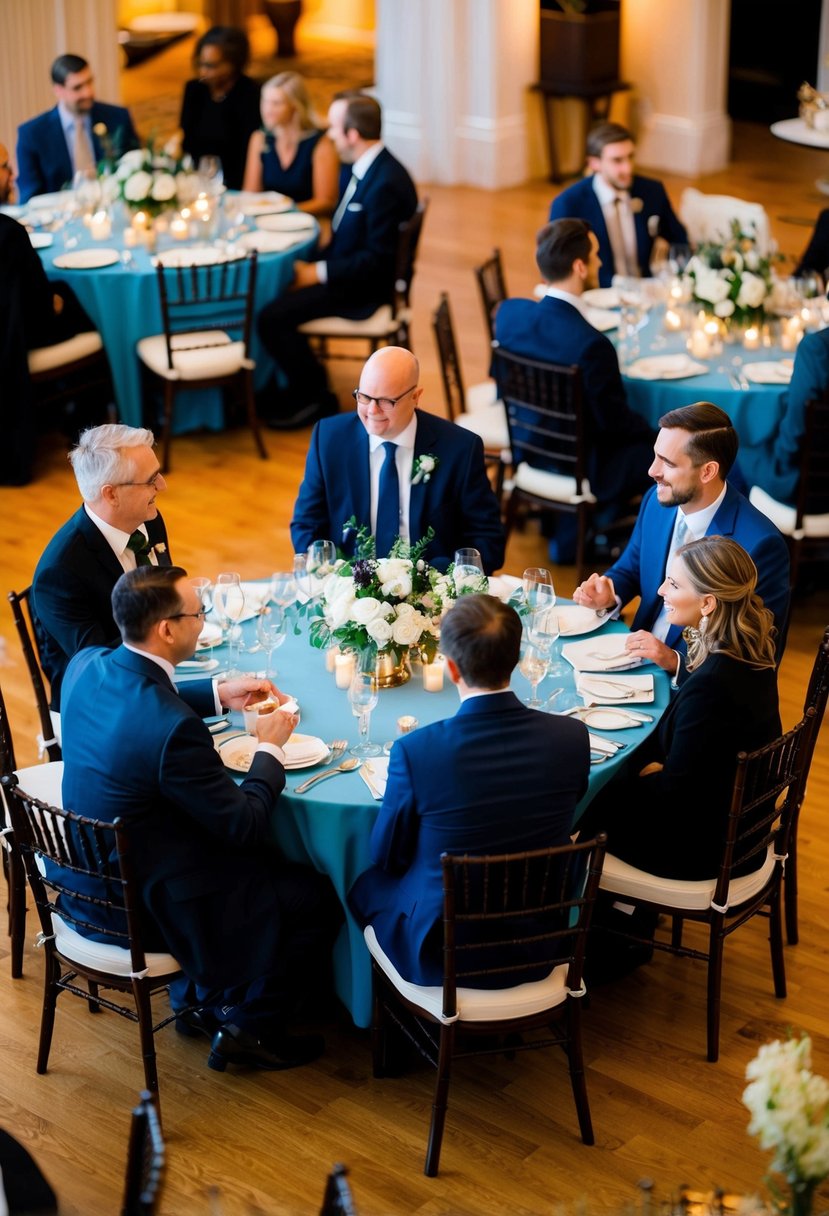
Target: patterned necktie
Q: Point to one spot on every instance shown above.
(348, 195)
(388, 502)
(83, 155)
(140, 546)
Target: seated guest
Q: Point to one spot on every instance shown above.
(244, 925)
(117, 528)
(556, 330)
(693, 453)
(368, 465)
(72, 137)
(292, 153)
(671, 818)
(626, 211)
(778, 471)
(816, 254)
(353, 274)
(496, 778)
(220, 110)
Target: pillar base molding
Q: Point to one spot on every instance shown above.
(687, 146)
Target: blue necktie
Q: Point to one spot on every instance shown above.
(388, 502)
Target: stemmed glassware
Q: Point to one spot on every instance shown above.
(283, 588)
(468, 574)
(534, 578)
(229, 602)
(212, 175)
(271, 627)
(543, 632)
(322, 555)
(362, 696)
(534, 666)
(204, 590)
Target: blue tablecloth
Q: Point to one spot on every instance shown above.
(124, 305)
(330, 826)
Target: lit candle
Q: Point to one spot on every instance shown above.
(751, 338)
(130, 238)
(343, 670)
(202, 207)
(330, 657)
(179, 229)
(711, 329)
(673, 321)
(433, 676)
(100, 226)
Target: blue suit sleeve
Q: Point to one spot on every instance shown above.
(480, 512)
(311, 514)
(384, 208)
(626, 570)
(810, 377)
(29, 178)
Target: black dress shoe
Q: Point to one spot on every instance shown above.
(194, 1022)
(231, 1045)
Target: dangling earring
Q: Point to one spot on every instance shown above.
(692, 635)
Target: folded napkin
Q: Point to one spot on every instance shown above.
(614, 690)
(376, 776)
(606, 653)
(603, 746)
(574, 619)
(665, 367)
(772, 372)
(602, 297)
(211, 635)
(304, 749)
(503, 585)
(603, 319)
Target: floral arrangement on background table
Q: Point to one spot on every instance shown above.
(789, 1108)
(732, 280)
(153, 182)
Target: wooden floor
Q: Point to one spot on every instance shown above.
(511, 1144)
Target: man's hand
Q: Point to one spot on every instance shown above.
(596, 592)
(305, 275)
(643, 645)
(239, 693)
(276, 727)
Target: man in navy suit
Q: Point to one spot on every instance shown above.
(496, 778)
(627, 212)
(556, 329)
(244, 925)
(353, 274)
(398, 471)
(778, 471)
(117, 528)
(694, 451)
(55, 145)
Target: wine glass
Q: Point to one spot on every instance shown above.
(678, 258)
(362, 696)
(229, 602)
(543, 633)
(533, 580)
(87, 190)
(271, 627)
(204, 590)
(321, 557)
(283, 588)
(534, 666)
(212, 174)
(468, 572)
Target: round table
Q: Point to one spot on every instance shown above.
(330, 826)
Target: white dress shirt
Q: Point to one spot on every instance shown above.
(556, 293)
(405, 443)
(117, 540)
(359, 169)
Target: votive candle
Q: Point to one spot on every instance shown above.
(433, 676)
(343, 670)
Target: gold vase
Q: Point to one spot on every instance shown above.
(389, 671)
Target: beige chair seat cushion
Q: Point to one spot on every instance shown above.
(476, 1004)
(48, 358)
(622, 879)
(196, 356)
(41, 781)
(555, 486)
(104, 957)
(380, 323)
(490, 424)
(784, 516)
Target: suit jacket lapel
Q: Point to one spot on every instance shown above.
(356, 466)
(60, 146)
(425, 443)
(723, 522)
(97, 545)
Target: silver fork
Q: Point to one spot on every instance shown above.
(337, 746)
(622, 690)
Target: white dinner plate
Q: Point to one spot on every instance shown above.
(608, 688)
(237, 753)
(665, 367)
(603, 319)
(59, 200)
(196, 257)
(606, 654)
(574, 619)
(775, 371)
(602, 297)
(41, 240)
(606, 717)
(87, 259)
(269, 242)
(269, 203)
(288, 221)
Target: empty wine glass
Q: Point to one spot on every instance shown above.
(229, 602)
(363, 696)
(283, 588)
(87, 191)
(212, 174)
(534, 667)
(204, 590)
(678, 258)
(468, 572)
(322, 555)
(271, 627)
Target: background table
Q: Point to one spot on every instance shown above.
(330, 826)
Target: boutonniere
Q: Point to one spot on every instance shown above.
(159, 548)
(636, 205)
(653, 226)
(423, 468)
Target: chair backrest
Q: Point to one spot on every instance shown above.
(763, 802)
(493, 288)
(544, 414)
(145, 1160)
(197, 299)
(450, 361)
(408, 242)
(337, 1200)
(817, 695)
(7, 761)
(514, 917)
(709, 218)
(813, 485)
(24, 623)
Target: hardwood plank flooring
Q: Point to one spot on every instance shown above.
(511, 1144)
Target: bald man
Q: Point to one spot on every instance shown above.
(398, 471)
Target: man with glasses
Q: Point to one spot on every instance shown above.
(117, 528)
(398, 471)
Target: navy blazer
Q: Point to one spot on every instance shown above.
(498, 777)
(816, 254)
(44, 163)
(72, 593)
(619, 441)
(135, 748)
(778, 473)
(457, 500)
(641, 568)
(580, 201)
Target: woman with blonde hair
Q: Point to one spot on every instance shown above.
(671, 818)
(291, 153)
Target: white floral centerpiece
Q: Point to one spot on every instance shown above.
(733, 280)
(151, 182)
(789, 1108)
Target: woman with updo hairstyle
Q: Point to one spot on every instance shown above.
(220, 110)
(670, 819)
(291, 152)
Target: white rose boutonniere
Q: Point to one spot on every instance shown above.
(636, 205)
(159, 548)
(423, 468)
(653, 226)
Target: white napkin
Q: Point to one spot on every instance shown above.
(602, 297)
(773, 372)
(598, 744)
(603, 319)
(574, 619)
(665, 367)
(614, 690)
(304, 749)
(269, 242)
(605, 653)
(377, 777)
(287, 221)
(503, 585)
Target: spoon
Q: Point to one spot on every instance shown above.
(347, 766)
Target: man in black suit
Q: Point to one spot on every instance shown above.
(117, 528)
(354, 272)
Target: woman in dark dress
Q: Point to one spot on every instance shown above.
(220, 110)
(670, 819)
(292, 153)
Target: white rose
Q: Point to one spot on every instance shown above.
(407, 630)
(711, 286)
(339, 612)
(752, 291)
(404, 609)
(752, 259)
(393, 567)
(137, 187)
(379, 629)
(724, 309)
(366, 609)
(164, 188)
(399, 586)
(129, 162)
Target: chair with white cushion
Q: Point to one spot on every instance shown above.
(477, 408)
(521, 919)
(48, 739)
(88, 860)
(207, 313)
(708, 218)
(69, 368)
(763, 803)
(492, 285)
(806, 524)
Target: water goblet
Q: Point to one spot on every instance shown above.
(322, 555)
(229, 602)
(533, 667)
(204, 590)
(468, 572)
(363, 696)
(271, 627)
(533, 579)
(283, 588)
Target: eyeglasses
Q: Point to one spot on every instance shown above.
(385, 403)
(150, 482)
(199, 616)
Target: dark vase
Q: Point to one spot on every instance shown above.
(579, 51)
(283, 16)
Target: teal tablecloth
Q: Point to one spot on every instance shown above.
(330, 826)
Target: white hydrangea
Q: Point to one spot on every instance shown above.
(711, 285)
